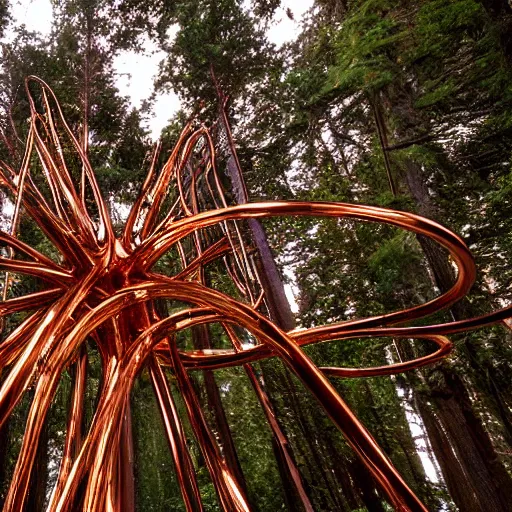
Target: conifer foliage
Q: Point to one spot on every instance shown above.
(403, 104)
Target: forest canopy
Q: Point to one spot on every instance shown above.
(404, 104)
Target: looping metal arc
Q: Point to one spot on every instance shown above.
(105, 287)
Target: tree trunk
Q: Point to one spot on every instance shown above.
(279, 311)
(272, 283)
(311, 432)
(201, 338)
(443, 275)
(125, 472)
(475, 477)
(39, 478)
(367, 487)
(4, 443)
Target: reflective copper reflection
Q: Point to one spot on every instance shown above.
(105, 288)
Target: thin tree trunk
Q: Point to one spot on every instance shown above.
(367, 487)
(126, 476)
(322, 476)
(4, 443)
(407, 445)
(277, 304)
(342, 472)
(272, 282)
(201, 338)
(383, 139)
(39, 478)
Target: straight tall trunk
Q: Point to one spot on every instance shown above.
(201, 339)
(475, 477)
(39, 478)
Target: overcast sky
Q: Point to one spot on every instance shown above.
(136, 72)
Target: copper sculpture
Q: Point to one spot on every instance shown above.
(104, 287)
